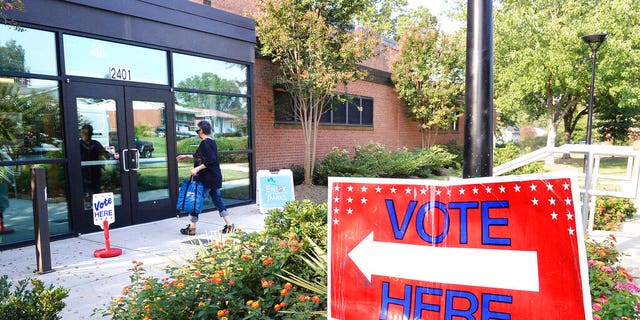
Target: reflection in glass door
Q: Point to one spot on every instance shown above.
(122, 149)
(150, 143)
(100, 168)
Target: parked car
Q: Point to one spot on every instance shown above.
(145, 147)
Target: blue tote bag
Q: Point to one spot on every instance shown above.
(190, 196)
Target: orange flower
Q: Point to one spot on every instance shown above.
(268, 261)
(180, 285)
(255, 305)
(284, 292)
(231, 282)
(302, 298)
(223, 312)
(315, 299)
(288, 286)
(245, 257)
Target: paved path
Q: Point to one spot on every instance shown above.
(94, 281)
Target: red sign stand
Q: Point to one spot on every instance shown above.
(107, 252)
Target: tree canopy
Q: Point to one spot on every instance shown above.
(428, 73)
(542, 66)
(314, 47)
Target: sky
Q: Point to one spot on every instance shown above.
(438, 8)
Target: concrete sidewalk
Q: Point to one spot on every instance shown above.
(94, 281)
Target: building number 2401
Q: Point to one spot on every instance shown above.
(120, 74)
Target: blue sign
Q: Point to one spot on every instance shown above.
(275, 188)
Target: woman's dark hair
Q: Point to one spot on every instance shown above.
(205, 126)
(89, 129)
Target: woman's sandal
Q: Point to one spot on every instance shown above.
(188, 231)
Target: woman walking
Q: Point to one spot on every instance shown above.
(206, 169)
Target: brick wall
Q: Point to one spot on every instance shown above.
(278, 146)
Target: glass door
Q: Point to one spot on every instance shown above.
(121, 148)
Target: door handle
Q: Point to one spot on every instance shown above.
(135, 160)
(125, 160)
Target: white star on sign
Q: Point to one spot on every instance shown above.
(336, 221)
(364, 189)
(350, 188)
(569, 216)
(567, 201)
(565, 186)
(552, 201)
(549, 186)
(438, 192)
(350, 200)
(571, 231)
(378, 189)
(336, 210)
(336, 199)
(502, 189)
(423, 191)
(516, 188)
(554, 216)
(475, 190)
(349, 211)
(336, 188)
(533, 187)
(393, 189)
(534, 201)
(407, 190)
(363, 200)
(461, 191)
(488, 189)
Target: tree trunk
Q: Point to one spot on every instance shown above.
(552, 132)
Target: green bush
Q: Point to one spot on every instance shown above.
(511, 151)
(240, 277)
(298, 174)
(373, 160)
(611, 212)
(299, 217)
(30, 300)
(336, 164)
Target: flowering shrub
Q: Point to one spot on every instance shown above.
(30, 299)
(611, 212)
(614, 295)
(234, 278)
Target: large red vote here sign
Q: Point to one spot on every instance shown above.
(486, 248)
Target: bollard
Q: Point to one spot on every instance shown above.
(41, 219)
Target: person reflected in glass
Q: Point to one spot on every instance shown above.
(91, 150)
(206, 169)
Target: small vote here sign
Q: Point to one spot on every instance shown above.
(485, 248)
(103, 208)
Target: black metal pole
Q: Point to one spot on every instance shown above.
(478, 134)
(593, 80)
(41, 219)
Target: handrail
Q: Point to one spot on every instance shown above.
(589, 190)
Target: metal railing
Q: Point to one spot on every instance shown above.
(593, 183)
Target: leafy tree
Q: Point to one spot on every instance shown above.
(12, 57)
(542, 67)
(383, 16)
(315, 48)
(428, 74)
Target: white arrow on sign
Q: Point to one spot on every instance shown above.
(504, 269)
